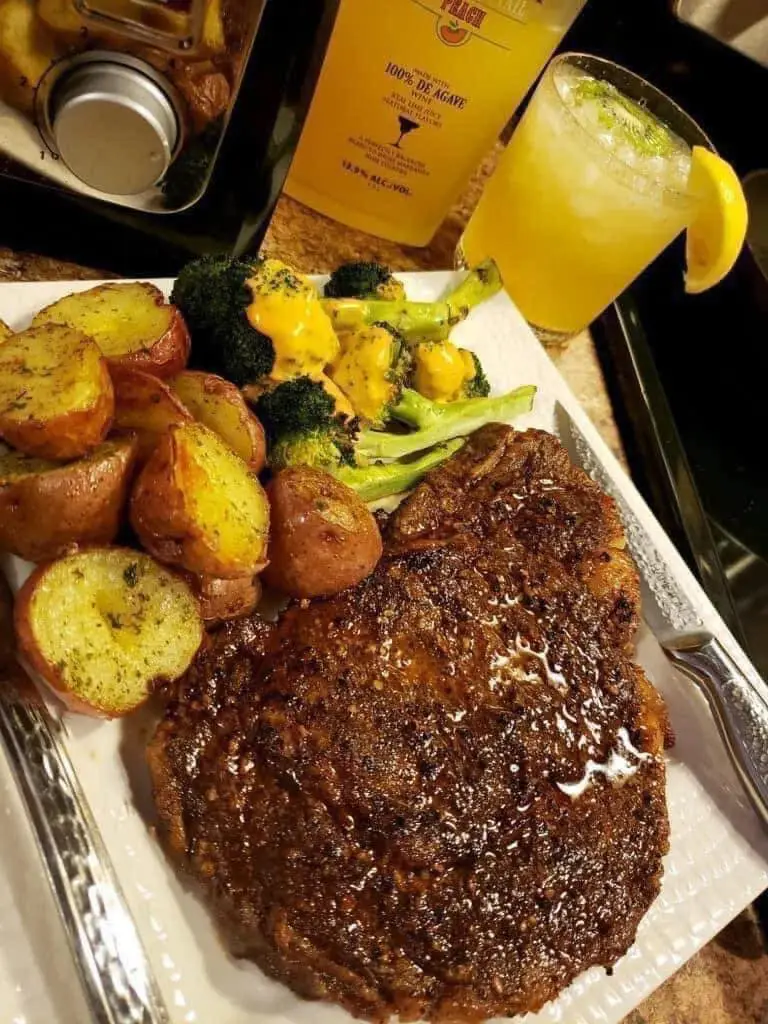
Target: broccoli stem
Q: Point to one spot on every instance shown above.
(480, 284)
(418, 321)
(414, 320)
(436, 422)
(415, 410)
(381, 479)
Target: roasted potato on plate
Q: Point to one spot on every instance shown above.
(131, 322)
(223, 600)
(323, 537)
(102, 626)
(197, 505)
(219, 405)
(47, 507)
(146, 405)
(56, 398)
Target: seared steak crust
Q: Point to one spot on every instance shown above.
(441, 793)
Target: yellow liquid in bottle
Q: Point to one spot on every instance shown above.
(411, 96)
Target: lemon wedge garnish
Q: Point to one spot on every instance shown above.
(719, 226)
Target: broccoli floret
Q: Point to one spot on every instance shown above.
(222, 298)
(328, 449)
(213, 296)
(363, 279)
(303, 430)
(477, 386)
(187, 176)
(302, 426)
(417, 321)
(371, 481)
(435, 422)
(371, 370)
(299, 405)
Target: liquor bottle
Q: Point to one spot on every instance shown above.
(411, 96)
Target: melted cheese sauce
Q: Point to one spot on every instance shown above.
(362, 371)
(442, 369)
(286, 307)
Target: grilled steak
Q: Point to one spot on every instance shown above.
(439, 794)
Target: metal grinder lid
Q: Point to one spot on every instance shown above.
(113, 124)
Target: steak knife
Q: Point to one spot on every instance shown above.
(736, 693)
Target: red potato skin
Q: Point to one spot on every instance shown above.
(311, 553)
(167, 356)
(67, 436)
(145, 404)
(224, 600)
(157, 505)
(45, 515)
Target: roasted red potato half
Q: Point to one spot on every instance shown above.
(47, 507)
(56, 397)
(104, 626)
(131, 322)
(147, 406)
(219, 405)
(197, 505)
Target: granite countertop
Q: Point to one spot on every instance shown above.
(725, 983)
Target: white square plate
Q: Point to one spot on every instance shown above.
(717, 864)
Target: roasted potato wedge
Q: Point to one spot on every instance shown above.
(223, 600)
(56, 397)
(47, 507)
(146, 405)
(323, 537)
(220, 405)
(196, 504)
(131, 322)
(5, 331)
(102, 626)
(27, 50)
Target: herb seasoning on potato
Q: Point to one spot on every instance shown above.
(196, 505)
(104, 625)
(56, 397)
(131, 322)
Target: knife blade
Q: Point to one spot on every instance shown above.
(736, 693)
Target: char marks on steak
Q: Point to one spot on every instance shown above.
(439, 794)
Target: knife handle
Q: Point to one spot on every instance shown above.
(739, 702)
(117, 979)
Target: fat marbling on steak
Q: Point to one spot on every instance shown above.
(439, 794)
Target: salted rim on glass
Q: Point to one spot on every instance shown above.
(583, 61)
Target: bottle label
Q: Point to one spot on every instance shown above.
(411, 95)
(459, 21)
